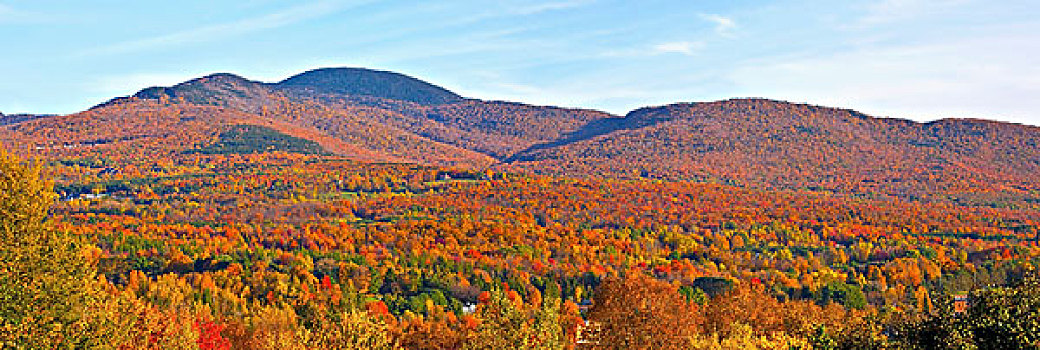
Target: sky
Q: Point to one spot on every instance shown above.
(914, 59)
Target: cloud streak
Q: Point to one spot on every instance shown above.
(724, 26)
(9, 15)
(688, 48)
(6, 13)
(215, 32)
(548, 6)
(921, 82)
(888, 11)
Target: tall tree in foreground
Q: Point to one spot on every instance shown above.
(45, 285)
(639, 312)
(507, 323)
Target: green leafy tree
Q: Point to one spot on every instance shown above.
(997, 318)
(844, 294)
(506, 323)
(1006, 318)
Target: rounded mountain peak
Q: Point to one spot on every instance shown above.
(223, 77)
(368, 82)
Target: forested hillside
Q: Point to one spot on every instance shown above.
(777, 145)
(349, 208)
(753, 143)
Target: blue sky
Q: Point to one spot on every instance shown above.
(921, 60)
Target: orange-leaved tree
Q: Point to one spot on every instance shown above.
(639, 312)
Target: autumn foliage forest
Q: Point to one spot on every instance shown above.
(355, 209)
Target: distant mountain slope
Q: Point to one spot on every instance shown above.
(129, 127)
(232, 90)
(497, 129)
(157, 125)
(773, 144)
(351, 129)
(384, 116)
(7, 119)
(252, 139)
(501, 129)
(384, 111)
(366, 82)
(221, 89)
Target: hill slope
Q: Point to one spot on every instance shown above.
(366, 82)
(773, 144)
(385, 112)
(385, 116)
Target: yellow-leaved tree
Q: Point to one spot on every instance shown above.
(45, 286)
(507, 323)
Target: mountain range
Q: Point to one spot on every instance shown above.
(380, 116)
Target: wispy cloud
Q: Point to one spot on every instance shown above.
(966, 78)
(723, 25)
(6, 12)
(885, 11)
(10, 14)
(536, 8)
(273, 20)
(688, 48)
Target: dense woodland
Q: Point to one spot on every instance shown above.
(276, 249)
(188, 218)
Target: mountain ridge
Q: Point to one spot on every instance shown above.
(754, 142)
(151, 92)
(495, 128)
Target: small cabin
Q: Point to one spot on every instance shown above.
(960, 303)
